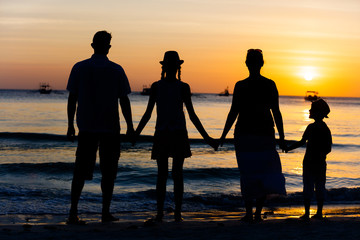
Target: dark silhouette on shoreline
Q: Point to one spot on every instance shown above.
(318, 140)
(171, 138)
(96, 87)
(254, 138)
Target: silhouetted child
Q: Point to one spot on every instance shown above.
(317, 137)
(171, 138)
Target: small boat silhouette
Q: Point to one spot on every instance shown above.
(45, 88)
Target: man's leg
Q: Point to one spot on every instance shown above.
(76, 189)
(84, 167)
(109, 150)
(107, 188)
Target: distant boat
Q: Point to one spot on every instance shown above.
(145, 91)
(311, 96)
(45, 88)
(225, 92)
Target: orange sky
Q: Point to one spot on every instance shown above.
(40, 40)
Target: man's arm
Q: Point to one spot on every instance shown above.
(71, 109)
(126, 111)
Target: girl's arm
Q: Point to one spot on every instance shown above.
(147, 115)
(194, 118)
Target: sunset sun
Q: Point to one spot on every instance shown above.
(308, 72)
(308, 76)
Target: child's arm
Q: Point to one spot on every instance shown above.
(147, 115)
(295, 145)
(195, 120)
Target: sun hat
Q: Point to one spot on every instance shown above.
(171, 57)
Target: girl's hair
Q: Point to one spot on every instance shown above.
(164, 71)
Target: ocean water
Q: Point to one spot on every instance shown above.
(36, 160)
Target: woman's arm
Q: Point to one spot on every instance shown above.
(233, 114)
(275, 109)
(194, 118)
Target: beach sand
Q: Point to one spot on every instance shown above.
(342, 222)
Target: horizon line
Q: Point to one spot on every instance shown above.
(285, 95)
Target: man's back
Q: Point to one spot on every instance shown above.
(98, 84)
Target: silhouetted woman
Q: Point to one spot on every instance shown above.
(255, 105)
(171, 138)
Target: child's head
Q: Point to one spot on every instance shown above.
(171, 58)
(319, 109)
(171, 63)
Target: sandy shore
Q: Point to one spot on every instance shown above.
(342, 222)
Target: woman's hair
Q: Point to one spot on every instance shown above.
(164, 71)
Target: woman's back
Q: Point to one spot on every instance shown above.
(254, 99)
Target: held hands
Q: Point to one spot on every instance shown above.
(283, 146)
(214, 143)
(131, 136)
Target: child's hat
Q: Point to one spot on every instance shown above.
(170, 58)
(321, 107)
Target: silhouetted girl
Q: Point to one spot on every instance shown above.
(171, 138)
(255, 105)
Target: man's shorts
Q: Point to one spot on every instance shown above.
(108, 145)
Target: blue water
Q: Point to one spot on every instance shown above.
(36, 160)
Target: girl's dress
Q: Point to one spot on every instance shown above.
(171, 137)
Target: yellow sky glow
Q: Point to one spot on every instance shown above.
(40, 40)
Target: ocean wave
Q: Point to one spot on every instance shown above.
(142, 142)
(133, 173)
(58, 137)
(47, 201)
(58, 168)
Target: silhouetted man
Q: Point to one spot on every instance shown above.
(94, 86)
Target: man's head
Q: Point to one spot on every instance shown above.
(101, 42)
(254, 59)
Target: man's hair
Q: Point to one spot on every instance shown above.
(254, 58)
(102, 38)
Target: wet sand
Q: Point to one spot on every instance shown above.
(341, 222)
